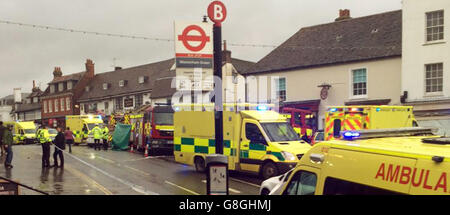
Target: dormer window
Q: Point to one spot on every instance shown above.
(105, 86)
(122, 83)
(52, 88)
(69, 85)
(141, 79)
(87, 88)
(60, 86)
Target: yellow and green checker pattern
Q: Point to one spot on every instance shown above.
(202, 146)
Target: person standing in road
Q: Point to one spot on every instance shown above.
(68, 134)
(105, 137)
(97, 132)
(59, 146)
(7, 142)
(2, 129)
(44, 139)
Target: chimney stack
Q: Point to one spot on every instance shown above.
(34, 84)
(57, 72)
(17, 95)
(90, 68)
(226, 54)
(343, 15)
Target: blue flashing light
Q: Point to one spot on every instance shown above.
(333, 109)
(349, 135)
(262, 108)
(378, 109)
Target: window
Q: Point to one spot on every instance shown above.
(119, 103)
(121, 83)
(434, 78)
(87, 88)
(337, 128)
(141, 79)
(335, 186)
(435, 26)
(253, 133)
(106, 106)
(56, 105)
(139, 100)
(62, 104)
(68, 104)
(52, 88)
(45, 107)
(302, 183)
(359, 78)
(69, 85)
(280, 89)
(50, 106)
(60, 87)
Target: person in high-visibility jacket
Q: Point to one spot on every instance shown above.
(105, 137)
(98, 134)
(45, 140)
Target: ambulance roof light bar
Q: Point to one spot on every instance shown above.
(380, 133)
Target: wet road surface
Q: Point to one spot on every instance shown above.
(90, 172)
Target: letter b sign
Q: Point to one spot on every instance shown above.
(217, 12)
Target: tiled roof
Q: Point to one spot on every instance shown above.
(131, 75)
(357, 39)
(71, 77)
(28, 107)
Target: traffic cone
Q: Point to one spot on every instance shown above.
(146, 151)
(131, 149)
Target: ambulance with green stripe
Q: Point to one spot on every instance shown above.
(350, 118)
(23, 132)
(81, 125)
(256, 139)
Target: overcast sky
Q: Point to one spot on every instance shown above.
(28, 54)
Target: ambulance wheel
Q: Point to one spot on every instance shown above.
(199, 164)
(269, 170)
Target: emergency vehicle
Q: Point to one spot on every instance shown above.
(256, 139)
(23, 132)
(301, 120)
(375, 162)
(81, 125)
(346, 118)
(160, 126)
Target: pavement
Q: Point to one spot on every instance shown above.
(90, 172)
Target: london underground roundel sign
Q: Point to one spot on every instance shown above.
(188, 38)
(217, 12)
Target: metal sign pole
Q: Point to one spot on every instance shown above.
(218, 101)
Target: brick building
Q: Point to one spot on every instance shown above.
(61, 96)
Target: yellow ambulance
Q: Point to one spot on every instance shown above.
(375, 162)
(256, 139)
(81, 125)
(347, 118)
(23, 132)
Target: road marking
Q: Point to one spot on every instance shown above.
(88, 179)
(135, 187)
(137, 170)
(244, 182)
(185, 189)
(229, 188)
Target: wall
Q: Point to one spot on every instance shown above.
(302, 85)
(417, 53)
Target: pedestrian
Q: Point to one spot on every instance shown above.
(2, 129)
(44, 139)
(7, 142)
(68, 134)
(105, 137)
(59, 146)
(97, 132)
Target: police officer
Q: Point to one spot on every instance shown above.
(44, 139)
(98, 133)
(105, 137)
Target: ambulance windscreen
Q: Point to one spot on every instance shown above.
(280, 131)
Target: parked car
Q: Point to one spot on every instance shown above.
(274, 185)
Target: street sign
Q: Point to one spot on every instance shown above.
(194, 56)
(217, 12)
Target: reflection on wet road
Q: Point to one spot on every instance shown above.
(89, 172)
